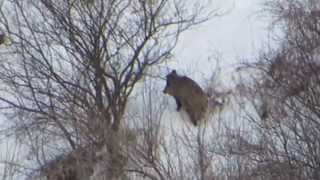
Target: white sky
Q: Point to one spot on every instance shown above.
(235, 36)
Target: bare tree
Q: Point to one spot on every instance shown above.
(282, 99)
(72, 65)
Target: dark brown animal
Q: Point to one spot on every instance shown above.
(188, 95)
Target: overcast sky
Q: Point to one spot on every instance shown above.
(237, 35)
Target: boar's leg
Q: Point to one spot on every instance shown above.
(178, 103)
